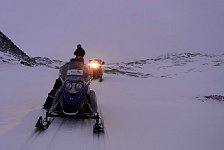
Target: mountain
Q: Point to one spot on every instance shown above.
(168, 65)
(10, 53)
(51, 63)
(163, 66)
(13, 53)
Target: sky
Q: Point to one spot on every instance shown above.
(113, 30)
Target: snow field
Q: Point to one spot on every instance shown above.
(152, 113)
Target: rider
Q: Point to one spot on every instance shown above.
(79, 52)
(73, 64)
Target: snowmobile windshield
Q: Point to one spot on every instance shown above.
(74, 74)
(75, 78)
(74, 70)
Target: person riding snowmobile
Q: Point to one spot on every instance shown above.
(97, 66)
(73, 65)
(79, 53)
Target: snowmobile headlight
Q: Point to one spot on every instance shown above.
(68, 85)
(94, 65)
(78, 86)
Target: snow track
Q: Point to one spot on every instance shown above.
(30, 140)
(64, 133)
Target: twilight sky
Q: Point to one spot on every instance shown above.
(113, 29)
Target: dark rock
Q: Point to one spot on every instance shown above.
(7, 46)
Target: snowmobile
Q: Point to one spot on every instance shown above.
(96, 65)
(74, 99)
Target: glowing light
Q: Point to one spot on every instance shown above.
(94, 65)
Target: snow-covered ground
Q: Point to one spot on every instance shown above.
(8, 58)
(139, 113)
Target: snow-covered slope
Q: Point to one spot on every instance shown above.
(9, 49)
(163, 103)
(11, 54)
(167, 65)
(6, 58)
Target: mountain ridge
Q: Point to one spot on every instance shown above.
(8, 47)
(167, 65)
(10, 53)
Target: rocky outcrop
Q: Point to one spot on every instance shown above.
(8, 47)
(10, 53)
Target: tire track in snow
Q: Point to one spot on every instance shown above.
(55, 134)
(105, 138)
(30, 140)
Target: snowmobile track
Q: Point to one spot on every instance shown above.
(30, 140)
(55, 134)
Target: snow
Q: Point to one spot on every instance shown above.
(139, 113)
(5, 57)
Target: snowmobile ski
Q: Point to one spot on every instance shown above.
(99, 125)
(43, 124)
